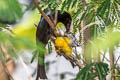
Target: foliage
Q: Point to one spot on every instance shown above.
(103, 42)
(104, 13)
(13, 44)
(10, 11)
(27, 29)
(92, 71)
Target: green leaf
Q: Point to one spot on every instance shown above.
(34, 56)
(10, 11)
(82, 75)
(74, 3)
(13, 44)
(49, 47)
(102, 70)
(63, 6)
(103, 42)
(93, 70)
(103, 7)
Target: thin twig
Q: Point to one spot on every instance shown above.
(26, 70)
(103, 57)
(117, 60)
(52, 19)
(87, 26)
(55, 18)
(118, 69)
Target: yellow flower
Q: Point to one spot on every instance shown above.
(59, 42)
(63, 44)
(67, 50)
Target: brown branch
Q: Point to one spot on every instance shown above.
(74, 60)
(46, 18)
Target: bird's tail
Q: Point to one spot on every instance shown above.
(41, 72)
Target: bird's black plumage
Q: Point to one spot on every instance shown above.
(43, 34)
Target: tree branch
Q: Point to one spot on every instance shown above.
(46, 18)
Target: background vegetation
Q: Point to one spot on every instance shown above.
(97, 22)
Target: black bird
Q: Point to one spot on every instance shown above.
(43, 34)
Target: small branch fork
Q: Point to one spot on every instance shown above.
(52, 26)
